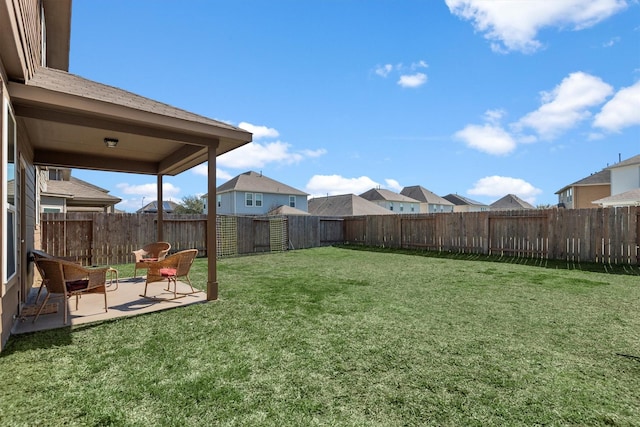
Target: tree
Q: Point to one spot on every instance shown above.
(190, 205)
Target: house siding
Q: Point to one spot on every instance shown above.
(584, 196)
(437, 208)
(233, 203)
(13, 293)
(624, 179)
(52, 204)
(26, 33)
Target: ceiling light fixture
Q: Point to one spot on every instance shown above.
(111, 142)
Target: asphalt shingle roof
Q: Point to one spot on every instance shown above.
(423, 195)
(635, 160)
(64, 82)
(458, 200)
(510, 201)
(628, 198)
(345, 205)
(386, 195)
(80, 190)
(258, 183)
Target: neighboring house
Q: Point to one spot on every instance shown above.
(429, 201)
(510, 202)
(396, 203)
(167, 207)
(50, 117)
(625, 175)
(345, 205)
(583, 192)
(61, 192)
(252, 193)
(464, 204)
(625, 184)
(628, 198)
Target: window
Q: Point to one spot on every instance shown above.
(390, 206)
(55, 175)
(219, 198)
(292, 201)
(253, 199)
(10, 188)
(401, 207)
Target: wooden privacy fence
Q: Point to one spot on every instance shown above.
(96, 238)
(604, 235)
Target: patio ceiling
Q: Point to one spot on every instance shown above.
(67, 118)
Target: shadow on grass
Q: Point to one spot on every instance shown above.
(623, 269)
(37, 340)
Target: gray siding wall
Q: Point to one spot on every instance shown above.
(233, 203)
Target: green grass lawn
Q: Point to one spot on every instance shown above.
(338, 337)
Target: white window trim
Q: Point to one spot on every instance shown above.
(6, 207)
(256, 200)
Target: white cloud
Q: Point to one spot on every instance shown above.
(393, 185)
(384, 70)
(611, 42)
(256, 155)
(321, 185)
(409, 77)
(149, 190)
(412, 80)
(494, 116)
(488, 138)
(500, 186)
(514, 25)
(567, 104)
(622, 111)
(419, 64)
(314, 153)
(143, 194)
(259, 132)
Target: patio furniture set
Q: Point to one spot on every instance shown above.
(63, 279)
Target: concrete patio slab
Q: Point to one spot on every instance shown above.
(123, 299)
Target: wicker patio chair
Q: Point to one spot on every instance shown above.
(38, 255)
(64, 279)
(172, 268)
(152, 252)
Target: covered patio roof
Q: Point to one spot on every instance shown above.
(67, 118)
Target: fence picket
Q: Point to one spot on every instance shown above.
(603, 235)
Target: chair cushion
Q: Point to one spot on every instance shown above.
(76, 285)
(168, 272)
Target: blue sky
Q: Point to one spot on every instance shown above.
(475, 97)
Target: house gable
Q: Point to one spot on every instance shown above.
(429, 201)
(625, 176)
(253, 193)
(510, 202)
(395, 202)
